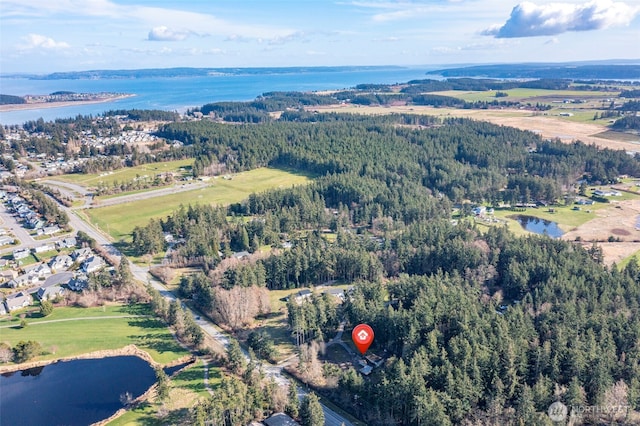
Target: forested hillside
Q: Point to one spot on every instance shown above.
(478, 327)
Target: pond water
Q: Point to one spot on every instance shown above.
(539, 226)
(78, 392)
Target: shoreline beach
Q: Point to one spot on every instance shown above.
(43, 105)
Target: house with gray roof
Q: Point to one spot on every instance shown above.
(61, 262)
(92, 264)
(50, 230)
(68, 242)
(280, 419)
(79, 283)
(81, 254)
(23, 280)
(48, 293)
(18, 301)
(40, 270)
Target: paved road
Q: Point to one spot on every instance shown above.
(11, 222)
(142, 274)
(80, 192)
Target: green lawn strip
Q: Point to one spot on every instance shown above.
(122, 218)
(83, 335)
(62, 313)
(126, 174)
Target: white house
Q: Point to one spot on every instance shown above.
(21, 253)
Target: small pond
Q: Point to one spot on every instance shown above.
(78, 392)
(539, 226)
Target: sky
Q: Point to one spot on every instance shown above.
(42, 36)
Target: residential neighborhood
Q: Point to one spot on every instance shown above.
(41, 261)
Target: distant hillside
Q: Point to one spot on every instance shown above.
(191, 72)
(586, 71)
(11, 100)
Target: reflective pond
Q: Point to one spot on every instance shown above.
(78, 392)
(539, 226)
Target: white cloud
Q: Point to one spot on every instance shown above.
(148, 16)
(530, 20)
(163, 33)
(37, 41)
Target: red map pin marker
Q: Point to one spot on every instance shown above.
(362, 336)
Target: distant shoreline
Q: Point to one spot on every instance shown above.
(43, 105)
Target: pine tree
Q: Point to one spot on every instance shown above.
(311, 413)
(163, 384)
(293, 403)
(235, 358)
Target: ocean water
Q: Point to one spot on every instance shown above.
(182, 93)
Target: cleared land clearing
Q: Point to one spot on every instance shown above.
(126, 174)
(548, 126)
(619, 221)
(119, 220)
(70, 331)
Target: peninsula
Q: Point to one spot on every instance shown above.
(56, 100)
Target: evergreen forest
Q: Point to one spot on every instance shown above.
(476, 326)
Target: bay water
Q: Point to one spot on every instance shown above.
(181, 93)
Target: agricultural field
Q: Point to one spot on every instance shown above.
(533, 96)
(551, 125)
(70, 331)
(119, 220)
(128, 174)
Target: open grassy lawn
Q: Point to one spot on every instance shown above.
(119, 220)
(565, 216)
(126, 174)
(72, 331)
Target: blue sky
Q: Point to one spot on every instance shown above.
(42, 36)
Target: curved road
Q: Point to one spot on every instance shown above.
(141, 274)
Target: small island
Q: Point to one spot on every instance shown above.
(56, 99)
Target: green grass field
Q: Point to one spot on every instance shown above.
(119, 220)
(525, 95)
(127, 174)
(82, 330)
